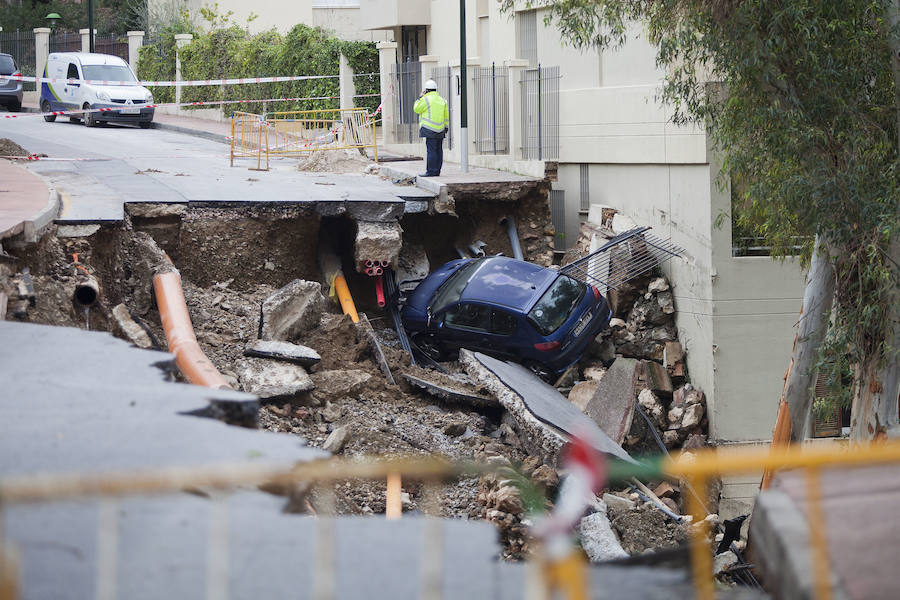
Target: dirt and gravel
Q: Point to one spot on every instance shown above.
(382, 419)
(10, 148)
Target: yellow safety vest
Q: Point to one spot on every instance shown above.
(433, 111)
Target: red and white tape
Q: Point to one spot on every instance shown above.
(58, 113)
(195, 82)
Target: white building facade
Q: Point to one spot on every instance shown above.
(617, 147)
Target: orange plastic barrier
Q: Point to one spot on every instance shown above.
(176, 322)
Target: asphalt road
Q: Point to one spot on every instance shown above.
(121, 163)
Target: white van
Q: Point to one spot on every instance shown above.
(130, 99)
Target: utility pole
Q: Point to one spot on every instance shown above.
(91, 25)
(463, 90)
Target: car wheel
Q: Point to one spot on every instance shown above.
(15, 106)
(89, 120)
(429, 346)
(145, 124)
(45, 108)
(541, 370)
(74, 120)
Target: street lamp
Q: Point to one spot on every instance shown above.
(52, 18)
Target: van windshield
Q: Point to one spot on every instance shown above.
(108, 73)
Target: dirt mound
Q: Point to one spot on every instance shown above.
(334, 161)
(10, 148)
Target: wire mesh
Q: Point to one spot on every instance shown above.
(492, 110)
(621, 259)
(540, 113)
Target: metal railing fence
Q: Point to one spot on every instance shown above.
(406, 78)
(492, 110)
(116, 45)
(442, 77)
(540, 113)
(65, 41)
(249, 138)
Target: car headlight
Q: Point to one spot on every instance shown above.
(149, 99)
(103, 96)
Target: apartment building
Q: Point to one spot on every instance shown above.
(599, 117)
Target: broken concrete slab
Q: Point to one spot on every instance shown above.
(540, 411)
(291, 311)
(657, 378)
(449, 390)
(337, 439)
(612, 405)
(269, 379)
(412, 266)
(340, 382)
(295, 353)
(598, 539)
(377, 241)
(115, 408)
(130, 328)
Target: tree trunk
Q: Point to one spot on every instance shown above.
(817, 300)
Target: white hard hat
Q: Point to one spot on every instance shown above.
(430, 85)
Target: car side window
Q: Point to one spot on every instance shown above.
(469, 316)
(72, 73)
(503, 323)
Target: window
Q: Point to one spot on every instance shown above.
(469, 316)
(453, 288)
(585, 185)
(7, 65)
(503, 323)
(108, 73)
(555, 306)
(526, 31)
(72, 73)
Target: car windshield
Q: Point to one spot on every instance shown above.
(7, 65)
(453, 288)
(555, 306)
(108, 73)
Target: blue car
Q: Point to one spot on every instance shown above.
(507, 308)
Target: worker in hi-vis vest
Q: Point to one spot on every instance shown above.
(434, 120)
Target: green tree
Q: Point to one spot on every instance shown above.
(801, 99)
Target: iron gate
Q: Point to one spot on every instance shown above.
(442, 78)
(540, 113)
(406, 78)
(492, 110)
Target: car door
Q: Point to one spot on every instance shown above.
(465, 325)
(72, 91)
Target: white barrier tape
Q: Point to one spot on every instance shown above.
(195, 82)
(58, 113)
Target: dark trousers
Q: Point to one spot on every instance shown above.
(434, 158)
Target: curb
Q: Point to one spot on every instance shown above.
(34, 227)
(208, 135)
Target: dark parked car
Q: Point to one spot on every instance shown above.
(507, 308)
(10, 89)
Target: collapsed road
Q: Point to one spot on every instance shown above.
(316, 375)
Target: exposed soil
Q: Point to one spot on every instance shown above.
(10, 148)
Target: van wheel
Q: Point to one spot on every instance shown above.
(541, 370)
(145, 124)
(45, 108)
(89, 120)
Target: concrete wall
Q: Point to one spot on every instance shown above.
(387, 14)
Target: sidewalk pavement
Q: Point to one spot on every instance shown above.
(27, 203)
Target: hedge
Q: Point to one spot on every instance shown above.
(233, 52)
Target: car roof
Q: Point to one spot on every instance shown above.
(508, 282)
(89, 58)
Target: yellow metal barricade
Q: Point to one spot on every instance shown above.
(303, 131)
(249, 138)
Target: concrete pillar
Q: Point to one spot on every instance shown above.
(429, 62)
(41, 51)
(181, 40)
(516, 67)
(86, 39)
(387, 58)
(345, 78)
(135, 41)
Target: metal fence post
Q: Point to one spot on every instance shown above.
(539, 107)
(494, 105)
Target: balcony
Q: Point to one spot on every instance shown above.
(386, 14)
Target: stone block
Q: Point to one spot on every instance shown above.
(658, 378)
(132, 331)
(612, 405)
(291, 311)
(378, 241)
(673, 354)
(581, 394)
(598, 539)
(268, 379)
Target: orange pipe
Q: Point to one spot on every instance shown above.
(344, 297)
(393, 508)
(176, 322)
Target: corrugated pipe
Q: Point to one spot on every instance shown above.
(513, 236)
(176, 322)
